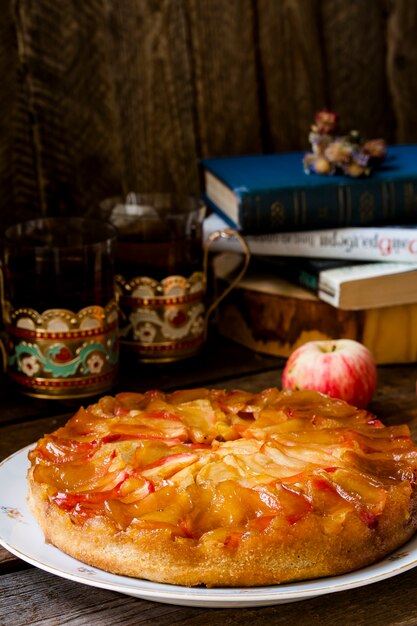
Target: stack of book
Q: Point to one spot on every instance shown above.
(331, 255)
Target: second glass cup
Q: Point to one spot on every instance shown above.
(161, 274)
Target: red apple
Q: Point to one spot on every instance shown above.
(340, 368)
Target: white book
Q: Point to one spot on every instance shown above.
(358, 286)
(367, 243)
(371, 285)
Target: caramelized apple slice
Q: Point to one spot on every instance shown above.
(217, 471)
(295, 505)
(128, 401)
(167, 466)
(85, 423)
(366, 493)
(391, 467)
(53, 449)
(184, 396)
(71, 477)
(200, 417)
(67, 501)
(173, 513)
(230, 505)
(148, 426)
(285, 462)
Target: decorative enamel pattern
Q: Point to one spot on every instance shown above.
(162, 320)
(59, 353)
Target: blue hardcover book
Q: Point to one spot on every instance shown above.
(272, 193)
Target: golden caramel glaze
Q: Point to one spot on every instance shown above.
(225, 487)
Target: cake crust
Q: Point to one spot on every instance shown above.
(217, 488)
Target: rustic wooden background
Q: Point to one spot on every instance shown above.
(102, 96)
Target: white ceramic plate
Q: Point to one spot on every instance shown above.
(20, 534)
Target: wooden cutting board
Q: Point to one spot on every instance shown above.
(272, 316)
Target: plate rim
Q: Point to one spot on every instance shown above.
(236, 596)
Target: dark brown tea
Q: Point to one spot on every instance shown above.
(64, 263)
(159, 235)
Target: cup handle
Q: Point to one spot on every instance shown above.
(226, 233)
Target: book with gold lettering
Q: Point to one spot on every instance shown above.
(272, 193)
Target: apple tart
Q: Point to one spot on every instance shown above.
(225, 488)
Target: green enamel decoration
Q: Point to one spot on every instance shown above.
(60, 369)
(25, 349)
(69, 368)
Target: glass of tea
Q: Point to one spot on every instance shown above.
(59, 306)
(161, 274)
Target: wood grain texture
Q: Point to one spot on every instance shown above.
(18, 184)
(46, 600)
(279, 324)
(291, 69)
(55, 602)
(8, 70)
(9, 563)
(100, 97)
(402, 67)
(354, 40)
(224, 72)
(153, 84)
(70, 102)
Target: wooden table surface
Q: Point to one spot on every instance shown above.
(31, 596)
